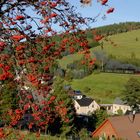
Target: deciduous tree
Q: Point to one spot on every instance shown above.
(28, 50)
(131, 94)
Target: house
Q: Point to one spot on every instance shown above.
(120, 105)
(116, 106)
(75, 94)
(107, 107)
(85, 105)
(126, 127)
(78, 95)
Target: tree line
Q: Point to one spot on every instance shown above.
(118, 28)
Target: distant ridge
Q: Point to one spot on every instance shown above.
(112, 29)
(118, 28)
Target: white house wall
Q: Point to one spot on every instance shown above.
(116, 107)
(86, 110)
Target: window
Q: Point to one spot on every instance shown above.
(93, 106)
(77, 107)
(113, 137)
(109, 107)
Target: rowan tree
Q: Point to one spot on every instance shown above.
(30, 46)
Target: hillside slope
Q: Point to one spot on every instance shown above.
(127, 43)
(126, 46)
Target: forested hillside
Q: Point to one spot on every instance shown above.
(118, 28)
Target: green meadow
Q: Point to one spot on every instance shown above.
(104, 87)
(126, 45)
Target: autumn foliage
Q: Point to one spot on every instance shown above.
(28, 49)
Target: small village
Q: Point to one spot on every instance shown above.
(121, 115)
(69, 70)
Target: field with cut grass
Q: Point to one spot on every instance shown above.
(105, 87)
(126, 44)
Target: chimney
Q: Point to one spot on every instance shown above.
(132, 116)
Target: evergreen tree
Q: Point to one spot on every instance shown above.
(8, 98)
(63, 97)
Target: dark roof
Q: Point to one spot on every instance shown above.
(119, 101)
(85, 101)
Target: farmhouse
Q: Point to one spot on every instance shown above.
(85, 105)
(120, 105)
(117, 106)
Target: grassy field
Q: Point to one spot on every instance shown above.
(26, 135)
(126, 45)
(105, 87)
(69, 59)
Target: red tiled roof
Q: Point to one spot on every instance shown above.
(124, 126)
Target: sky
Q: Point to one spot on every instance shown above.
(125, 10)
